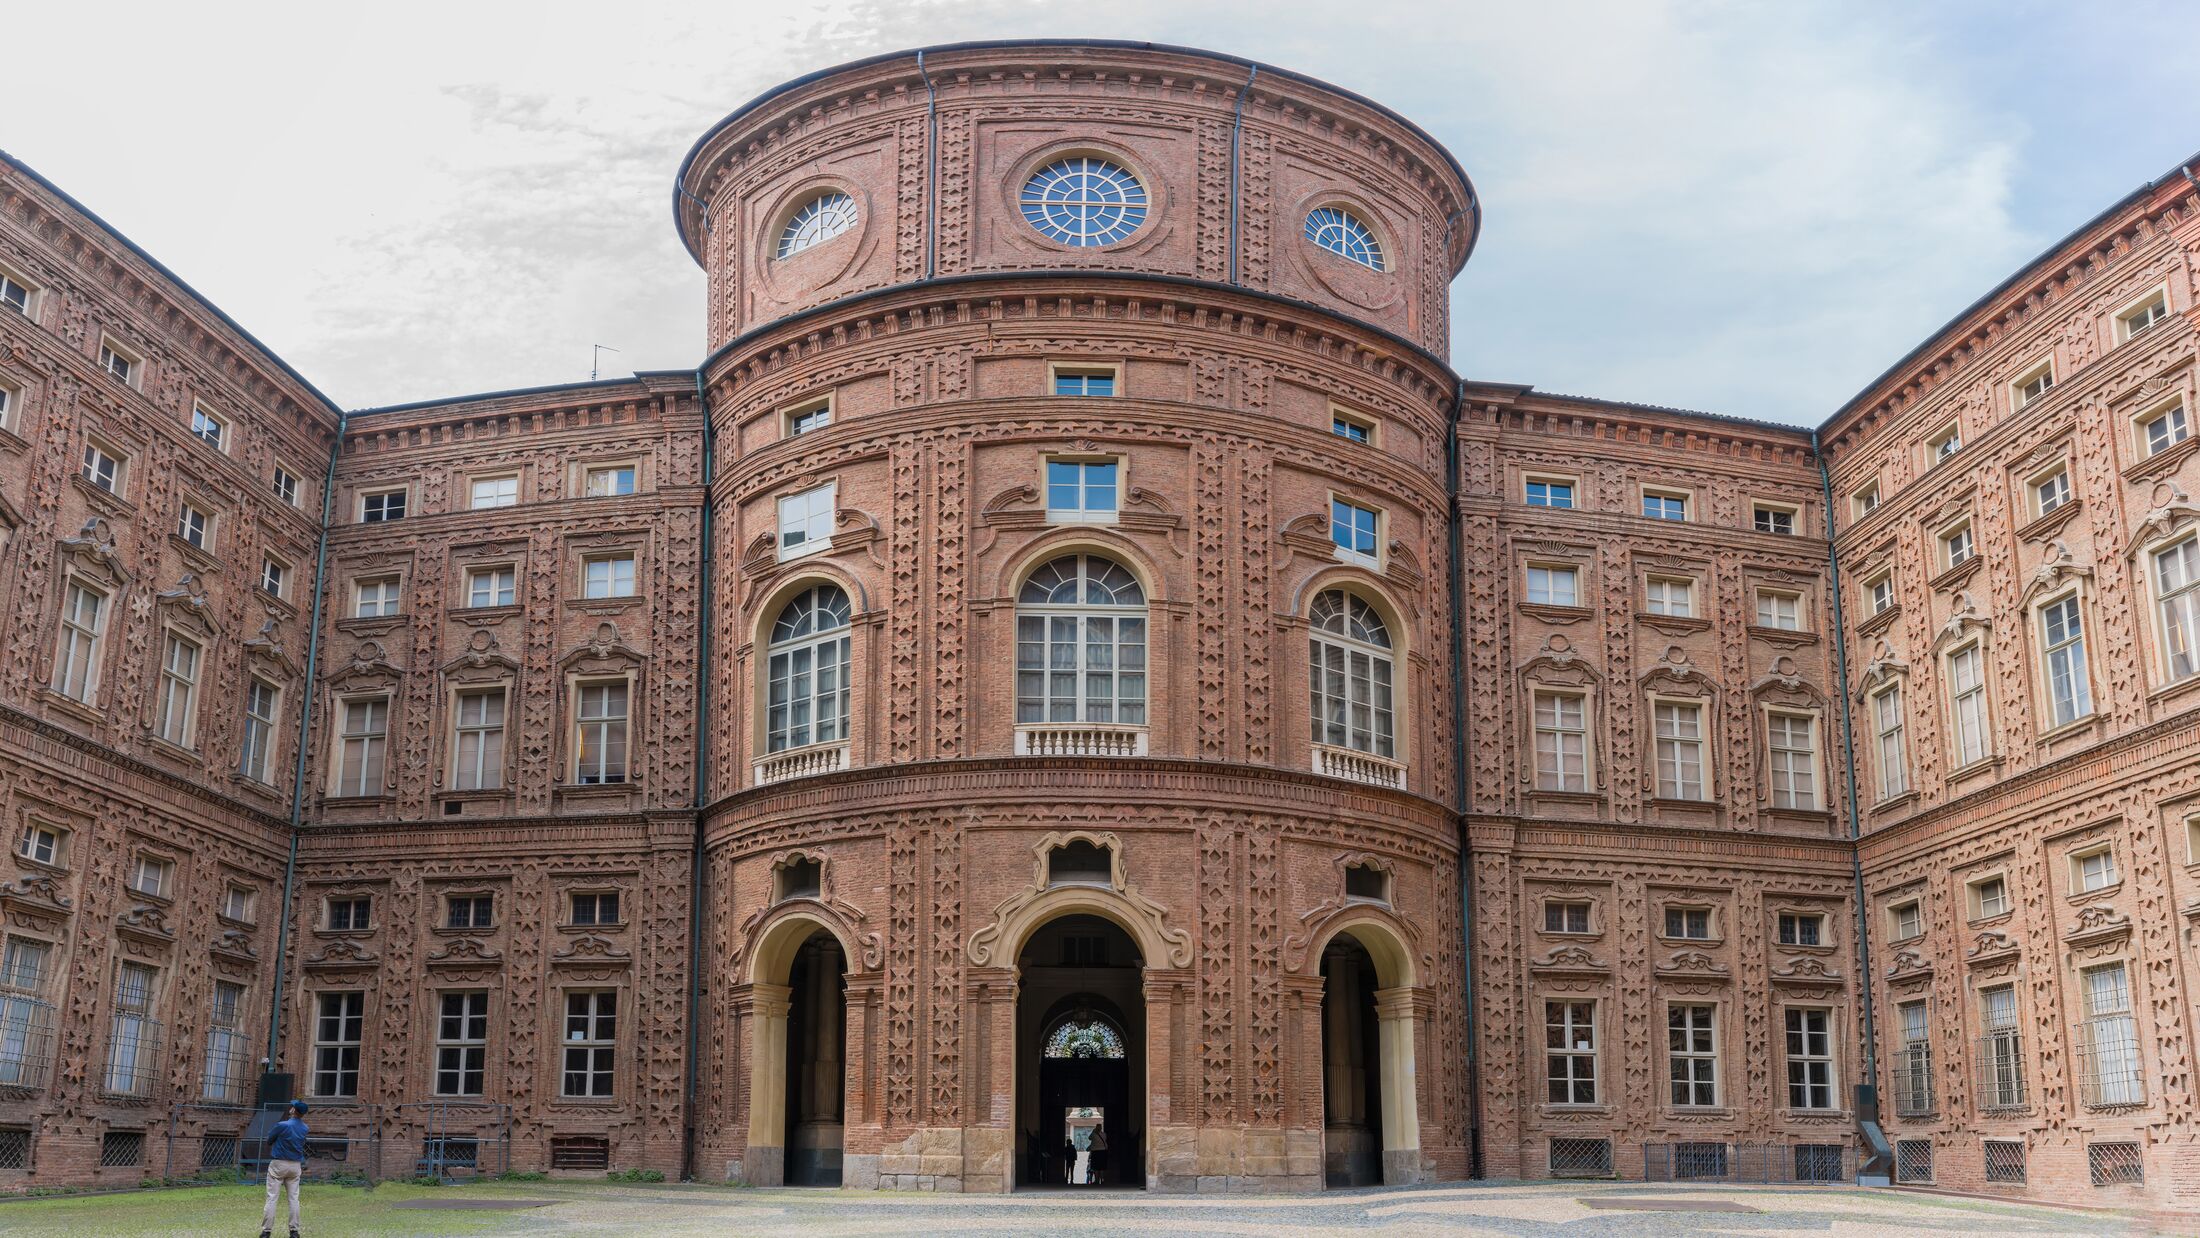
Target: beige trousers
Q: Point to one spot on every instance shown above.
(279, 1175)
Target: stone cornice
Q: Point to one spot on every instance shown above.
(32, 733)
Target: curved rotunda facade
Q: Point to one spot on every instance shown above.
(1074, 663)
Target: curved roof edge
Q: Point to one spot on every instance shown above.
(2180, 171)
(181, 284)
(679, 180)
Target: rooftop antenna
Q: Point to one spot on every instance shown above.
(596, 352)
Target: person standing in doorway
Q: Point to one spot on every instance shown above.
(286, 1163)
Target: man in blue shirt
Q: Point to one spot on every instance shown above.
(286, 1155)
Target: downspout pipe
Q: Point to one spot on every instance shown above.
(298, 768)
(1455, 533)
(697, 870)
(1237, 135)
(1878, 1168)
(931, 168)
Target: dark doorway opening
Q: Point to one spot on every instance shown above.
(1080, 1060)
(816, 1076)
(1352, 1096)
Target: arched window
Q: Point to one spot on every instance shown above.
(820, 220)
(1081, 643)
(1342, 233)
(807, 668)
(1091, 1036)
(1083, 201)
(1350, 673)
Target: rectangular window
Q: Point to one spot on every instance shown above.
(208, 428)
(2165, 429)
(261, 701)
(1665, 506)
(1679, 750)
(461, 1043)
(1565, 917)
(2050, 492)
(362, 747)
(1775, 520)
(492, 586)
(806, 520)
(1779, 610)
(1664, 595)
(1349, 426)
(1084, 382)
(1081, 489)
(1913, 1060)
(76, 662)
(354, 914)
(15, 295)
(1692, 1054)
(23, 964)
(1967, 698)
(286, 486)
(1802, 929)
(2034, 385)
(118, 363)
(2141, 318)
(600, 734)
(1906, 920)
(151, 876)
(374, 599)
(1794, 740)
(1989, 898)
(272, 577)
(2177, 586)
(1894, 760)
(1352, 528)
(608, 576)
(179, 692)
(595, 907)
(1554, 586)
(1882, 594)
(591, 1041)
(2109, 1046)
(494, 492)
(191, 525)
(469, 911)
(237, 904)
(478, 760)
(2069, 691)
(1688, 923)
(26, 1021)
(609, 481)
(1865, 501)
(1944, 444)
(102, 469)
(1550, 494)
(808, 417)
(1956, 547)
(1561, 743)
(39, 842)
(9, 398)
(2095, 870)
(382, 506)
(1809, 1058)
(339, 1020)
(1570, 1052)
(133, 1042)
(2001, 1049)
(223, 1079)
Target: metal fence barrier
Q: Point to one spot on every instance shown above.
(455, 1138)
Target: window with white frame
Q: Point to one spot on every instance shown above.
(1082, 490)
(1353, 529)
(1688, 923)
(2062, 645)
(461, 1043)
(222, 1080)
(1956, 546)
(1679, 736)
(26, 1020)
(352, 913)
(591, 1043)
(151, 876)
(273, 576)
(2033, 383)
(179, 691)
(1801, 928)
(382, 506)
(608, 576)
(1670, 595)
(1084, 381)
(806, 520)
(806, 665)
(119, 362)
(1351, 426)
(1081, 643)
(362, 746)
(1349, 673)
(1989, 897)
(1880, 593)
(2163, 429)
(2051, 491)
(102, 468)
(133, 1038)
(1967, 702)
(1906, 920)
(1944, 444)
(2109, 1044)
(43, 843)
(262, 704)
(2177, 594)
(285, 484)
(492, 586)
(2001, 1048)
(1893, 751)
(1543, 492)
(375, 597)
(600, 733)
(339, 1024)
(207, 428)
(2143, 317)
(2094, 870)
(1570, 1052)
(1561, 916)
(1692, 1054)
(477, 758)
(1561, 742)
(608, 481)
(1809, 1057)
(10, 397)
(192, 525)
(803, 418)
(1780, 520)
(829, 214)
(1664, 505)
(15, 294)
(1554, 586)
(488, 492)
(83, 627)
(1794, 748)
(1865, 501)
(1913, 1061)
(1777, 608)
(237, 904)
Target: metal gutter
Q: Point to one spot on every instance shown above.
(1456, 534)
(1237, 149)
(481, 396)
(698, 871)
(931, 171)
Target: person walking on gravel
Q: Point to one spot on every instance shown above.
(286, 1157)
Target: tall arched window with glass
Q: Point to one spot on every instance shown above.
(1081, 644)
(806, 668)
(1350, 672)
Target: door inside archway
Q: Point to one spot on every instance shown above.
(1352, 1092)
(816, 1077)
(1080, 1057)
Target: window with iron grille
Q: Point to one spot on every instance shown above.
(120, 1149)
(26, 1019)
(1581, 1158)
(1702, 1159)
(2005, 1161)
(1821, 1162)
(217, 1151)
(2115, 1164)
(2108, 1049)
(15, 1147)
(1913, 1160)
(133, 1037)
(1913, 1062)
(580, 1152)
(223, 1081)
(2000, 1049)
(461, 1153)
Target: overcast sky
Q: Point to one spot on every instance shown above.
(1746, 208)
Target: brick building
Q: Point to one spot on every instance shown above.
(1074, 646)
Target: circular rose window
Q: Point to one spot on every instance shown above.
(1084, 201)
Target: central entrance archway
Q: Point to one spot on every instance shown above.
(1080, 1057)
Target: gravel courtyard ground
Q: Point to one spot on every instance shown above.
(569, 1208)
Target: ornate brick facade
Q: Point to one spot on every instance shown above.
(740, 772)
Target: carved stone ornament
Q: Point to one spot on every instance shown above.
(872, 946)
(1693, 965)
(594, 949)
(2099, 927)
(1962, 621)
(2168, 510)
(1570, 960)
(465, 952)
(341, 954)
(1032, 904)
(2056, 572)
(1990, 946)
